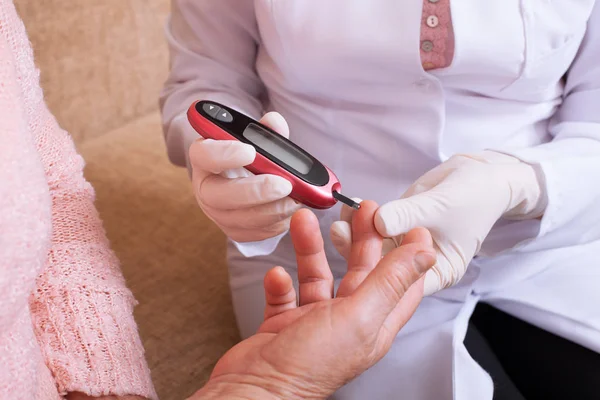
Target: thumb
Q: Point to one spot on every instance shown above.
(382, 290)
(400, 216)
(275, 121)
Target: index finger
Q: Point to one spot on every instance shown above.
(366, 248)
(216, 156)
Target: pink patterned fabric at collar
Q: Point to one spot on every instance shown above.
(437, 35)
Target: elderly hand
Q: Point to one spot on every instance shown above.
(459, 202)
(309, 350)
(247, 207)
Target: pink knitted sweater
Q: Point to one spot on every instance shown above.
(65, 314)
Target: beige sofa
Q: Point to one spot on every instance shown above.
(102, 64)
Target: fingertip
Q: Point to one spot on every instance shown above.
(302, 218)
(243, 151)
(277, 282)
(279, 185)
(387, 222)
(307, 240)
(362, 220)
(218, 155)
(367, 207)
(270, 276)
(277, 122)
(194, 148)
(380, 224)
(340, 229)
(305, 231)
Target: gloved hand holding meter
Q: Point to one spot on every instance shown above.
(442, 200)
(313, 184)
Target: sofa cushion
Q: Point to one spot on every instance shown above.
(102, 62)
(172, 256)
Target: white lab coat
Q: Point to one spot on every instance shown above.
(347, 76)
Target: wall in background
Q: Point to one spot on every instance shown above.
(102, 62)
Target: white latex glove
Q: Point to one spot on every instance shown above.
(247, 207)
(459, 202)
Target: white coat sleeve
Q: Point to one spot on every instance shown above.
(213, 45)
(570, 163)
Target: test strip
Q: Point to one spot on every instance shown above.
(346, 200)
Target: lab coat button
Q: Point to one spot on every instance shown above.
(427, 45)
(433, 21)
(224, 116)
(211, 109)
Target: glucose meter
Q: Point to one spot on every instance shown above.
(313, 184)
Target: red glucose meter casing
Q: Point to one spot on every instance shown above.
(313, 189)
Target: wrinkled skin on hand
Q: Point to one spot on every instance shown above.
(311, 348)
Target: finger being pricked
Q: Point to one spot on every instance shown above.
(314, 276)
(366, 248)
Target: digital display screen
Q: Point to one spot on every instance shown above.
(275, 145)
